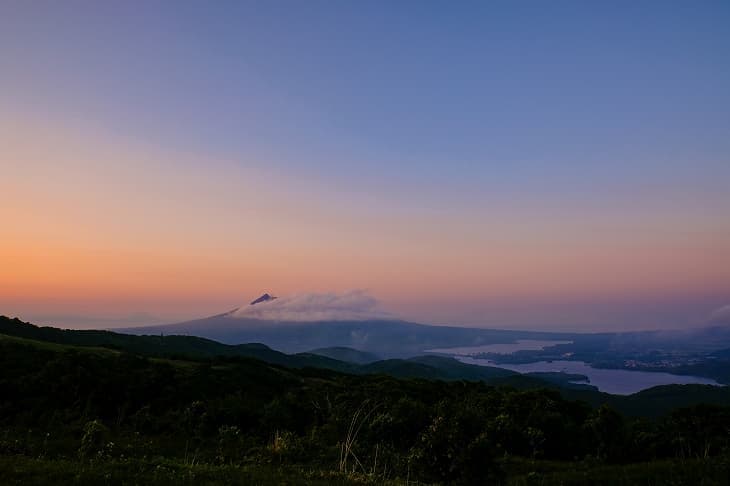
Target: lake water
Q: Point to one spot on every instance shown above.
(504, 348)
(617, 382)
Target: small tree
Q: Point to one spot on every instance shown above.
(607, 428)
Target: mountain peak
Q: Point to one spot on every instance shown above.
(264, 298)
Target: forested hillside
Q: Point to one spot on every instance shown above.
(99, 415)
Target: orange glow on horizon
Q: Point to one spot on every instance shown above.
(104, 222)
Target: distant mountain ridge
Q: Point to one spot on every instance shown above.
(396, 339)
(349, 355)
(387, 338)
(653, 402)
(193, 347)
(165, 345)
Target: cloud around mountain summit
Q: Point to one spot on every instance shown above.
(355, 305)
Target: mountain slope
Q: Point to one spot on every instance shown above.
(165, 346)
(386, 338)
(191, 347)
(346, 354)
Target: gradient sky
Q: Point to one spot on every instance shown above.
(561, 165)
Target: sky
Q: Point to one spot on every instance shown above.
(529, 165)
